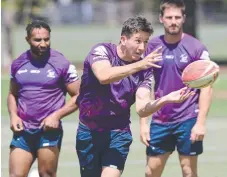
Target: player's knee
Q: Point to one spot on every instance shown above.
(17, 174)
(154, 170)
(47, 173)
(148, 171)
(188, 172)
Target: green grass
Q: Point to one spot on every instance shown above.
(212, 162)
(221, 82)
(75, 41)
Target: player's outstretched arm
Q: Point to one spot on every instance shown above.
(107, 74)
(145, 108)
(15, 120)
(144, 105)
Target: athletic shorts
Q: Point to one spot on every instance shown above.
(96, 150)
(165, 137)
(32, 140)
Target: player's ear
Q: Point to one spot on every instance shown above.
(160, 18)
(123, 40)
(27, 39)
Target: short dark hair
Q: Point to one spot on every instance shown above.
(37, 24)
(177, 3)
(136, 24)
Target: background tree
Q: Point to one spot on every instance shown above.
(190, 25)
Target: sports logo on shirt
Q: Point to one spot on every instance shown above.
(72, 72)
(22, 71)
(100, 52)
(205, 56)
(35, 71)
(184, 58)
(169, 57)
(51, 73)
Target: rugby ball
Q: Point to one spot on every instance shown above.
(200, 74)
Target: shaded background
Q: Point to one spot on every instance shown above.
(79, 24)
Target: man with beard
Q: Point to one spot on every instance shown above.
(175, 125)
(40, 79)
(114, 78)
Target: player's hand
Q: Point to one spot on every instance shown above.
(145, 133)
(152, 58)
(16, 124)
(198, 132)
(180, 95)
(50, 122)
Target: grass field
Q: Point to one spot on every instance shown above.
(75, 42)
(212, 162)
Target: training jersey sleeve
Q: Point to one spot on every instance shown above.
(98, 53)
(148, 80)
(202, 53)
(16, 65)
(69, 73)
(12, 72)
(195, 48)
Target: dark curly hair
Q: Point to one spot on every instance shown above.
(36, 24)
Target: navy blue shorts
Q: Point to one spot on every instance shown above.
(33, 140)
(96, 150)
(165, 137)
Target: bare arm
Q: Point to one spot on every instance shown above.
(107, 74)
(144, 105)
(70, 106)
(12, 99)
(198, 131)
(204, 103)
(15, 120)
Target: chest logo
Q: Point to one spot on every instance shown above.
(184, 58)
(22, 71)
(169, 57)
(34, 71)
(50, 73)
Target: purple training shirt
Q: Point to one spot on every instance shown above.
(105, 107)
(167, 79)
(42, 85)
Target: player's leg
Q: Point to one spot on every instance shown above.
(189, 165)
(114, 158)
(48, 152)
(188, 151)
(161, 145)
(48, 161)
(88, 152)
(20, 157)
(156, 164)
(109, 171)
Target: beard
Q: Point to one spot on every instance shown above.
(173, 32)
(39, 53)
